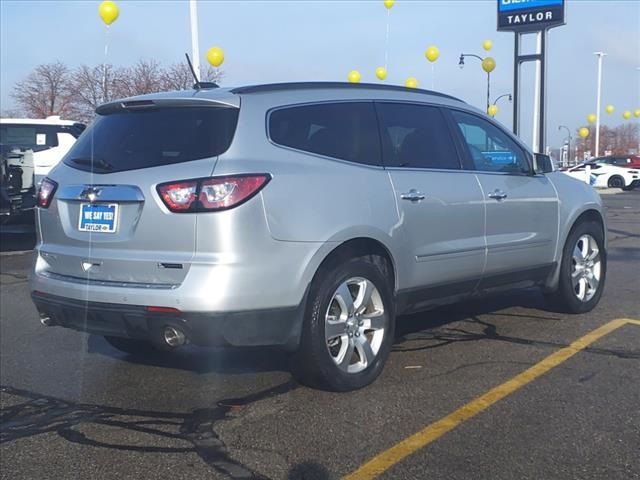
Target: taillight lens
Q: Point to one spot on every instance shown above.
(212, 193)
(45, 192)
(178, 196)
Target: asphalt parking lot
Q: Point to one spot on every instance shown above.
(465, 384)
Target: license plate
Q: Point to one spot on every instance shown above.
(98, 217)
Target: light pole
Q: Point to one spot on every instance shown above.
(600, 56)
(195, 45)
(482, 61)
(568, 144)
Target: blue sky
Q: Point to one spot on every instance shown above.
(268, 41)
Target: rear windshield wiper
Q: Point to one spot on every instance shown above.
(94, 162)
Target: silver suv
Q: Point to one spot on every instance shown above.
(306, 216)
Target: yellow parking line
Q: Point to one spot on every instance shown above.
(385, 460)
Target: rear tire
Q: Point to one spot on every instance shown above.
(583, 269)
(348, 328)
(131, 346)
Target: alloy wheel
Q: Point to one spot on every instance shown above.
(355, 324)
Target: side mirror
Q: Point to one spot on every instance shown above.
(542, 163)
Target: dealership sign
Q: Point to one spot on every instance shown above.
(529, 15)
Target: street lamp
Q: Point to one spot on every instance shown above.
(495, 102)
(488, 65)
(493, 108)
(568, 144)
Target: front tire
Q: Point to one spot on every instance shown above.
(583, 269)
(348, 328)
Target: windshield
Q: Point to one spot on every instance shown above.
(149, 138)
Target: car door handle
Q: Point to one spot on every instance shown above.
(412, 195)
(498, 195)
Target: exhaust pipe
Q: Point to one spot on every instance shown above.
(174, 337)
(46, 320)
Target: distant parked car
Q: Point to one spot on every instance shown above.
(49, 139)
(604, 175)
(628, 161)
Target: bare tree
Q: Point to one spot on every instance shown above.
(143, 77)
(45, 91)
(179, 77)
(93, 86)
(620, 140)
(53, 89)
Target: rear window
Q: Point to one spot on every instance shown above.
(347, 131)
(130, 140)
(28, 137)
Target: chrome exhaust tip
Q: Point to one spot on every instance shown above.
(174, 337)
(46, 320)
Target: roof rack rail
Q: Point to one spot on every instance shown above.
(275, 87)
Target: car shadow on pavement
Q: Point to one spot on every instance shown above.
(230, 361)
(434, 329)
(308, 471)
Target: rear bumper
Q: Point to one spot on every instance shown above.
(634, 184)
(13, 204)
(275, 327)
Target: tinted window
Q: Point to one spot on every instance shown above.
(594, 166)
(28, 137)
(128, 140)
(416, 136)
(347, 131)
(491, 149)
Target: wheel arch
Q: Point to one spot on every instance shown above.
(359, 246)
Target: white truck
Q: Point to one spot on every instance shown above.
(29, 148)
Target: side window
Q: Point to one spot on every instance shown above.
(347, 131)
(416, 136)
(491, 149)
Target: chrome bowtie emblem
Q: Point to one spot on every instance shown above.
(90, 193)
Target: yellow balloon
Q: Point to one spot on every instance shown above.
(215, 56)
(626, 115)
(354, 76)
(487, 45)
(637, 113)
(432, 53)
(108, 12)
(609, 109)
(492, 110)
(489, 64)
(411, 82)
(583, 132)
(591, 118)
(381, 73)
(389, 3)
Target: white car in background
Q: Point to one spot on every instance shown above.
(603, 175)
(49, 139)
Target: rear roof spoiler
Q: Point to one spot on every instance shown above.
(176, 102)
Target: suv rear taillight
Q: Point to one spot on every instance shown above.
(212, 193)
(45, 192)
